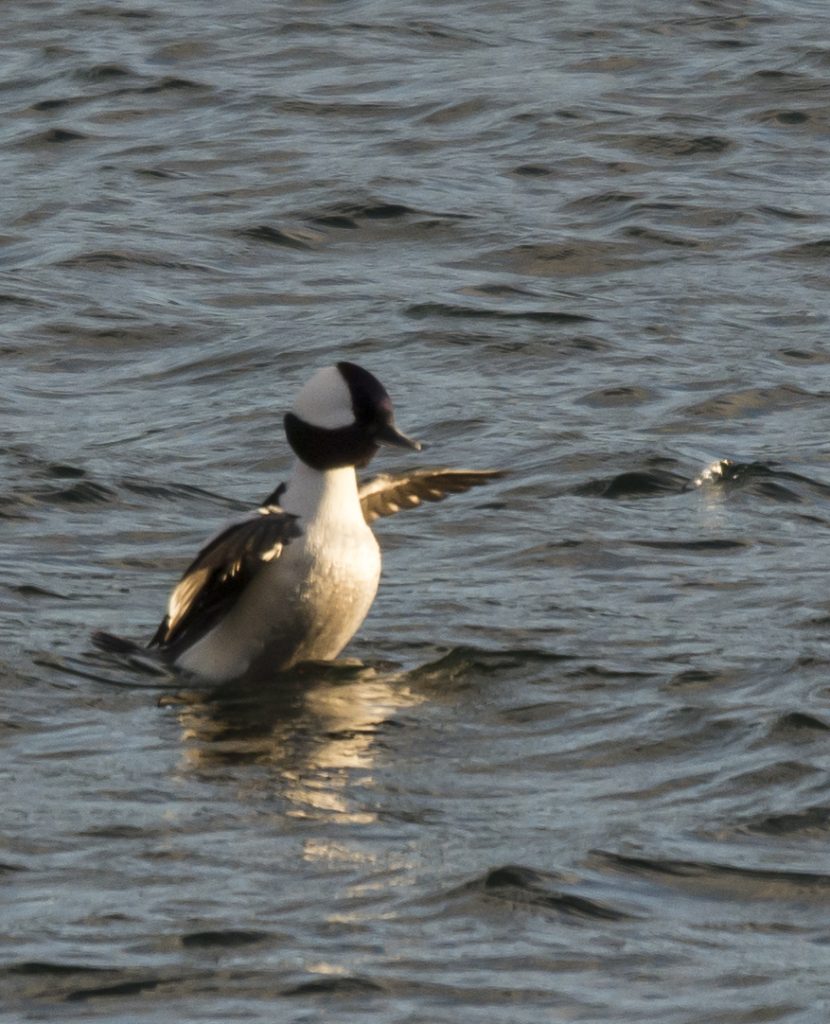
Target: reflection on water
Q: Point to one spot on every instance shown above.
(317, 728)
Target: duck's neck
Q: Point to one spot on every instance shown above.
(330, 493)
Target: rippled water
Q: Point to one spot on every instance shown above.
(578, 766)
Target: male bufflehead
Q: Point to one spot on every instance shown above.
(294, 581)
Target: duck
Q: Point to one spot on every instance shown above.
(293, 581)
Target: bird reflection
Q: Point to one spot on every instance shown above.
(320, 726)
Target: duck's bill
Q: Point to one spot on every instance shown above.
(391, 436)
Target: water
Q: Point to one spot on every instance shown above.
(577, 768)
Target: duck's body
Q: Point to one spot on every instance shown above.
(294, 581)
(309, 602)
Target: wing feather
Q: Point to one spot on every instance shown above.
(223, 567)
(387, 494)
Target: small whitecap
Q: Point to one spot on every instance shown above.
(714, 473)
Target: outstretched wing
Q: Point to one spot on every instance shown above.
(220, 571)
(387, 494)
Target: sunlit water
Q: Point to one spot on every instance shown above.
(578, 765)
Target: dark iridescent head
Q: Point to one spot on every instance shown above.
(340, 418)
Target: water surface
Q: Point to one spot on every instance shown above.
(577, 765)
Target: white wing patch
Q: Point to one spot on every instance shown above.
(271, 553)
(183, 594)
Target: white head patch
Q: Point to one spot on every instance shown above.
(325, 401)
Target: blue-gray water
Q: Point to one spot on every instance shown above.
(582, 773)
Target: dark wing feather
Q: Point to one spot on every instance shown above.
(387, 494)
(221, 570)
(275, 497)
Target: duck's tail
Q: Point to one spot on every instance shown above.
(112, 644)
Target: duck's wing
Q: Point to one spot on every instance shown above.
(220, 571)
(275, 497)
(387, 494)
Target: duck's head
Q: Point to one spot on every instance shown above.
(341, 417)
